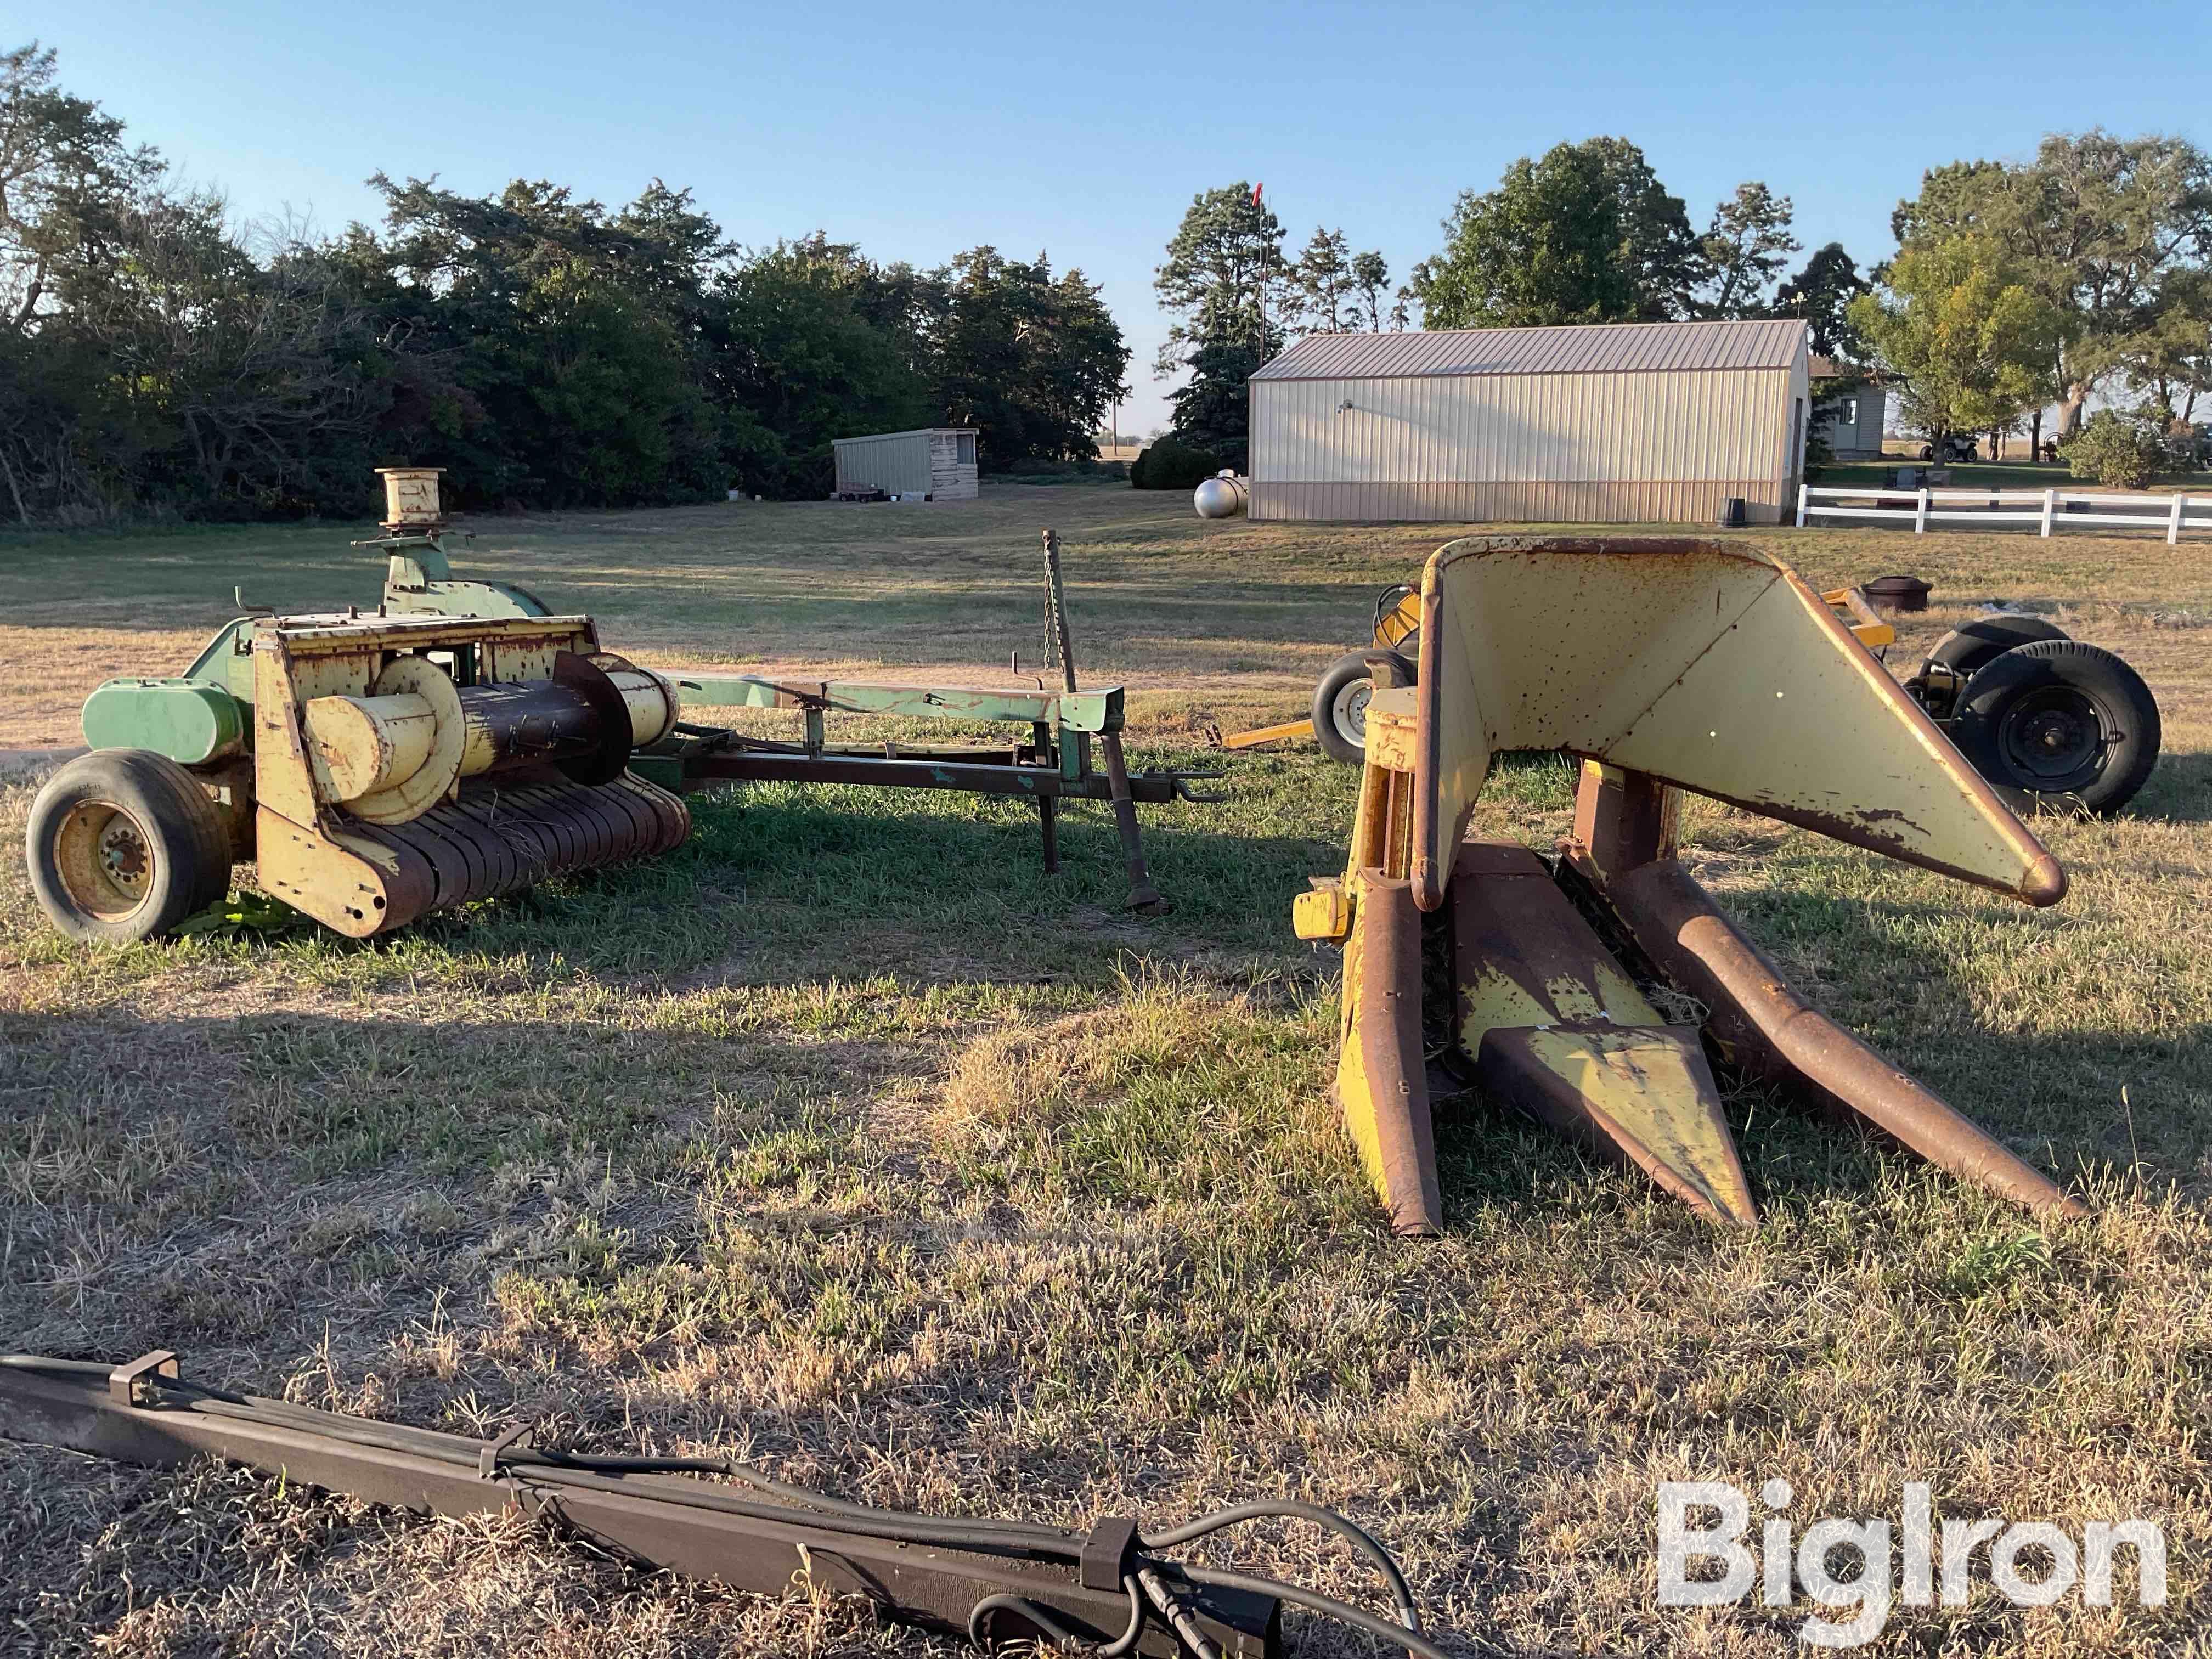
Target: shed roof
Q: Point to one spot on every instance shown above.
(1589, 348)
(911, 432)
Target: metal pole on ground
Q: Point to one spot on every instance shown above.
(1142, 896)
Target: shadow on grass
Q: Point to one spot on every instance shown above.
(2179, 790)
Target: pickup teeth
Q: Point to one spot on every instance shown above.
(519, 828)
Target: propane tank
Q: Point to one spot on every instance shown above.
(1223, 495)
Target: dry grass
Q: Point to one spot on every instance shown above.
(844, 1140)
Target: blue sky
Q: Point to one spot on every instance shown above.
(917, 130)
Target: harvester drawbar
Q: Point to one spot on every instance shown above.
(1663, 665)
(1117, 1589)
(461, 742)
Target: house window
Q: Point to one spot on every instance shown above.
(1845, 413)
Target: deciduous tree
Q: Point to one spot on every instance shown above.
(1544, 247)
(2101, 225)
(1960, 325)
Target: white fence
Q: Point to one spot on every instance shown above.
(2043, 507)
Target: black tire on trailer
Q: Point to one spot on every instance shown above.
(123, 845)
(2058, 723)
(1927, 452)
(1965, 650)
(1340, 708)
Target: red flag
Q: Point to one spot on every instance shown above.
(1256, 189)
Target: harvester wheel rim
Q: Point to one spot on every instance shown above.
(1349, 709)
(104, 858)
(2056, 737)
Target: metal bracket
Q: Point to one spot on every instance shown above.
(488, 1461)
(123, 1382)
(1105, 1558)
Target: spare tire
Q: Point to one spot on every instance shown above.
(1340, 708)
(1965, 650)
(2055, 722)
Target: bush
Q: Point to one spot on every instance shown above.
(2122, 451)
(1171, 465)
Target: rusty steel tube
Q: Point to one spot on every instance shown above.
(1770, 1032)
(1382, 1077)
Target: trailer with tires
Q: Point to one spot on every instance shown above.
(2052, 722)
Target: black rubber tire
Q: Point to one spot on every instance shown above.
(168, 825)
(1965, 650)
(2060, 724)
(1927, 452)
(1340, 708)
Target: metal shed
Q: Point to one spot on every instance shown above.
(1614, 422)
(937, 462)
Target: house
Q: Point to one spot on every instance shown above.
(1616, 423)
(1850, 422)
(931, 463)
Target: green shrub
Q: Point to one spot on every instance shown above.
(1168, 464)
(2122, 451)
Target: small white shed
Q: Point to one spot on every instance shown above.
(1851, 422)
(937, 462)
(1610, 423)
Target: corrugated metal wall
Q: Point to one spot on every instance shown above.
(898, 461)
(1602, 447)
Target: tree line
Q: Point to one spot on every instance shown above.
(2082, 274)
(547, 351)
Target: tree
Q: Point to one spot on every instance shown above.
(1822, 294)
(1222, 262)
(1747, 245)
(1963, 328)
(1370, 279)
(2101, 225)
(1401, 310)
(1660, 251)
(1322, 283)
(1211, 408)
(1032, 362)
(797, 360)
(1545, 246)
(66, 181)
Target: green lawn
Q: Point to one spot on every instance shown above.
(845, 1139)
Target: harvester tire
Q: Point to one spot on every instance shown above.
(1339, 708)
(123, 845)
(1964, 651)
(2057, 723)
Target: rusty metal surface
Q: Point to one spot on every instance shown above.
(1557, 1029)
(1643, 1096)
(1767, 1029)
(1520, 954)
(1382, 1076)
(1707, 664)
(652, 1520)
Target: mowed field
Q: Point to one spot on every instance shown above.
(846, 1141)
